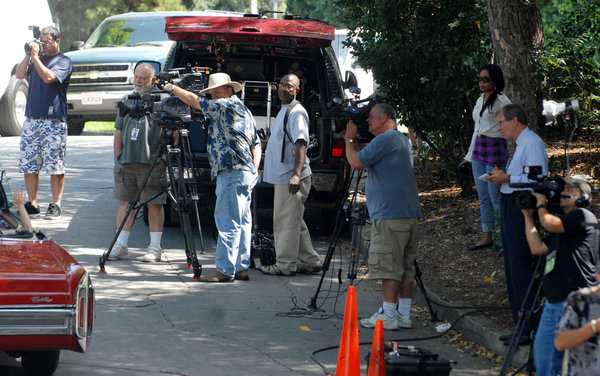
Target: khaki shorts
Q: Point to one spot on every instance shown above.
(393, 249)
(130, 176)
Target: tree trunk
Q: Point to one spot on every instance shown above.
(516, 30)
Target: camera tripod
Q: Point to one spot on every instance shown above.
(529, 313)
(181, 190)
(358, 221)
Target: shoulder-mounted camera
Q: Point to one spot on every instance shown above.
(355, 110)
(549, 186)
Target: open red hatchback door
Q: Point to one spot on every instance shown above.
(282, 32)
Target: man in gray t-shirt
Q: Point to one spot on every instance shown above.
(393, 203)
(291, 176)
(136, 141)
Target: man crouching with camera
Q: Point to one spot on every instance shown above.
(571, 258)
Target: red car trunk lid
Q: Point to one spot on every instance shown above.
(35, 273)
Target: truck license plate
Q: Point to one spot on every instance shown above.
(91, 98)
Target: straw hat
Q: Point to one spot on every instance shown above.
(221, 79)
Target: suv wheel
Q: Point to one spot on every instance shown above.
(12, 107)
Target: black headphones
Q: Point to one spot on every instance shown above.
(583, 200)
(580, 201)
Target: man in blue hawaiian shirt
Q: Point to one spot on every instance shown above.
(234, 153)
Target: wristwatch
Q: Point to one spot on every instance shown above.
(171, 88)
(350, 140)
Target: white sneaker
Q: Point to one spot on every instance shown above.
(153, 254)
(389, 323)
(404, 321)
(119, 252)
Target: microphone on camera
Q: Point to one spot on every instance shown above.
(571, 197)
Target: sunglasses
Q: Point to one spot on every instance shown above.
(484, 79)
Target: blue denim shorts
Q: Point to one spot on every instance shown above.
(43, 143)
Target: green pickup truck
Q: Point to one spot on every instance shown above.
(103, 66)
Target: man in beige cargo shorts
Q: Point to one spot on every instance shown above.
(393, 203)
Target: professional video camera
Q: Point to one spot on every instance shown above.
(169, 112)
(138, 110)
(36, 39)
(190, 78)
(551, 109)
(549, 186)
(357, 111)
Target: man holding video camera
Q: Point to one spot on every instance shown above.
(393, 204)
(44, 138)
(571, 252)
(136, 142)
(529, 151)
(234, 153)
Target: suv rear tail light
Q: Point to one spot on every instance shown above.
(337, 148)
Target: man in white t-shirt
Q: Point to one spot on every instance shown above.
(287, 168)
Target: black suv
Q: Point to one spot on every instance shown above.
(257, 52)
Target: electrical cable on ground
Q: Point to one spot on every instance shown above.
(312, 356)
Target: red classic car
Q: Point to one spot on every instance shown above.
(46, 298)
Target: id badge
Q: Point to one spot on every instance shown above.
(550, 260)
(134, 134)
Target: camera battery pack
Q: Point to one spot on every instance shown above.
(410, 361)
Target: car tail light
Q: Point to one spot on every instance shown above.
(84, 311)
(91, 310)
(337, 148)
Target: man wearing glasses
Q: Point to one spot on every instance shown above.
(529, 151)
(287, 168)
(44, 138)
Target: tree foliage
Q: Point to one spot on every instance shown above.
(425, 56)
(322, 10)
(571, 63)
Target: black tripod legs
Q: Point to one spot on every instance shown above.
(418, 274)
(159, 153)
(183, 201)
(178, 192)
(106, 253)
(525, 317)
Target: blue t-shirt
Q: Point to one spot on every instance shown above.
(49, 100)
(391, 187)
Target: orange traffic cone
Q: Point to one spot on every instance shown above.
(348, 363)
(377, 361)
